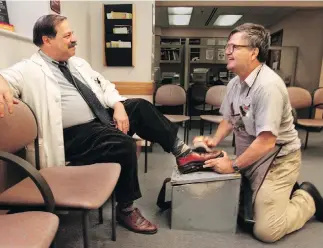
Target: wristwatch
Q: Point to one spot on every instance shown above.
(235, 167)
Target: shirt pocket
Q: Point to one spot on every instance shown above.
(249, 124)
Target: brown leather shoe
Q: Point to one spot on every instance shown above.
(136, 222)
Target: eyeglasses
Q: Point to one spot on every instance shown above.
(231, 47)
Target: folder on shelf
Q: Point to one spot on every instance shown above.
(120, 30)
(118, 44)
(119, 15)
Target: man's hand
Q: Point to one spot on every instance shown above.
(221, 165)
(121, 118)
(207, 140)
(6, 97)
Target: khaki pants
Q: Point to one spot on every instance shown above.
(276, 215)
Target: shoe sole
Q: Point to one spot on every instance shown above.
(193, 167)
(121, 222)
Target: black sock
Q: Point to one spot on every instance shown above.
(180, 149)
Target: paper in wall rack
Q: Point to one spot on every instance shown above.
(119, 15)
(118, 44)
(121, 29)
(118, 34)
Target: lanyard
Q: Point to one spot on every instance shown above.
(254, 80)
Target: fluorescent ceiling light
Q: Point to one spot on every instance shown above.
(226, 20)
(179, 19)
(180, 10)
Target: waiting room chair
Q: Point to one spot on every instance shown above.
(79, 188)
(301, 98)
(214, 97)
(173, 95)
(27, 229)
(196, 100)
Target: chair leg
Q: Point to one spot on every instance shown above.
(201, 127)
(234, 144)
(306, 139)
(113, 206)
(86, 226)
(146, 157)
(187, 131)
(101, 215)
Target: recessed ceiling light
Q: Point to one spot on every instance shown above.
(179, 19)
(180, 10)
(226, 20)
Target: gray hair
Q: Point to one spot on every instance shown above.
(257, 37)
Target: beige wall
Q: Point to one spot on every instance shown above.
(14, 47)
(17, 46)
(24, 20)
(77, 13)
(143, 44)
(304, 30)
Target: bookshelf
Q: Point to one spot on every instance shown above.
(118, 34)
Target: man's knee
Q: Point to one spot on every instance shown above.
(140, 101)
(268, 232)
(129, 145)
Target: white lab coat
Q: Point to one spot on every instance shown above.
(35, 84)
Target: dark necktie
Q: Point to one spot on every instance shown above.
(88, 95)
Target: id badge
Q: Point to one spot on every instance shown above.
(245, 107)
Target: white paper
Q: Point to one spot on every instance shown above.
(122, 30)
(221, 54)
(209, 54)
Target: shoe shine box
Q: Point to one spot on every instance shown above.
(205, 201)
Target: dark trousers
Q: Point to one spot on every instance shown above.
(95, 142)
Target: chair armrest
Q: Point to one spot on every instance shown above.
(35, 176)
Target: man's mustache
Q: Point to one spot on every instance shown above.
(72, 44)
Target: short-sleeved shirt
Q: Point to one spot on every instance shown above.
(263, 103)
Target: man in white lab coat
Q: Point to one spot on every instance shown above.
(83, 119)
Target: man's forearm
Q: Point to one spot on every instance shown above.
(117, 105)
(261, 146)
(222, 131)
